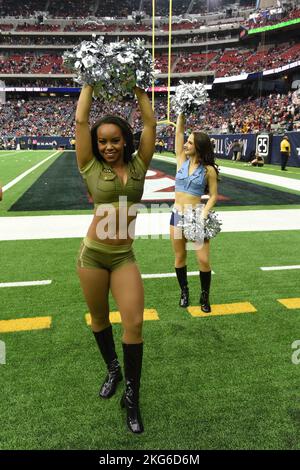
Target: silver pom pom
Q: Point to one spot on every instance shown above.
(192, 224)
(113, 69)
(189, 97)
(196, 228)
(212, 225)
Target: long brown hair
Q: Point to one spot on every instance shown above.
(205, 150)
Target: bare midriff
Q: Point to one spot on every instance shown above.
(115, 227)
(184, 199)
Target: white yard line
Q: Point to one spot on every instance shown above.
(144, 276)
(151, 225)
(279, 268)
(157, 276)
(25, 283)
(27, 172)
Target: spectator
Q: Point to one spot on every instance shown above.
(285, 151)
(236, 150)
(257, 161)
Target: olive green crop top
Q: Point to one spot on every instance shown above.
(105, 187)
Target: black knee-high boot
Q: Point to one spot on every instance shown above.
(106, 345)
(181, 274)
(205, 279)
(133, 357)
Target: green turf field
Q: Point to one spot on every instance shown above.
(221, 382)
(13, 164)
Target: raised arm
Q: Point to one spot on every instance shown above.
(84, 150)
(147, 141)
(179, 141)
(213, 189)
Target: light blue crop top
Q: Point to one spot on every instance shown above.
(193, 184)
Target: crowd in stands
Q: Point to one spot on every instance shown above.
(40, 40)
(35, 117)
(94, 24)
(56, 40)
(179, 7)
(41, 82)
(113, 9)
(250, 115)
(71, 8)
(106, 8)
(31, 63)
(123, 9)
(198, 38)
(269, 17)
(38, 117)
(45, 116)
(237, 61)
(97, 25)
(230, 62)
(21, 8)
(83, 8)
(37, 27)
(203, 7)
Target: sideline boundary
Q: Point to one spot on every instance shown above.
(27, 172)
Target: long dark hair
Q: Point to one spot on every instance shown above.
(126, 132)
(205, 150)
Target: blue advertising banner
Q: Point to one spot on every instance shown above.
(294, 138)
(44, 143)
(224, 144)
(267, 145)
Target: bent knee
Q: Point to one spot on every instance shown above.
(180, 258)
(204, 265)
(134, 327)
(100, 322)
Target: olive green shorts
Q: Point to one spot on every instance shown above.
(93, 254)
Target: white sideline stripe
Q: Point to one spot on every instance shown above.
(156, 276)
(27, 172)
(154, 224)
(280, 181)
(25, 283)
(274, 180)
(279, 268)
